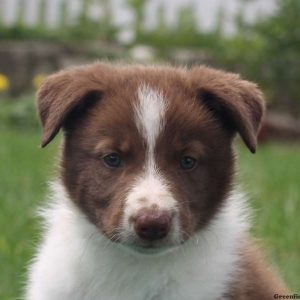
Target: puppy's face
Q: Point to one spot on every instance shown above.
(147, 153)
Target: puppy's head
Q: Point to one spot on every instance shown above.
(148, 151)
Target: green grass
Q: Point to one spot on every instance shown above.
(271, 178)
(24, 168)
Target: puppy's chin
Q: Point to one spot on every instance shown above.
(130, 243)
(137, 249)
(137, 246)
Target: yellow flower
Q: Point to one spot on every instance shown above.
(4, 82)
(38, 80)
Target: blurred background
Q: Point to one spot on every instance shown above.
(258, 38)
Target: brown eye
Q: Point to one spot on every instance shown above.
(187, 162)
(112, 160)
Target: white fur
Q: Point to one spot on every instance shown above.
(149, 114)
(150, 188)
(76, 262)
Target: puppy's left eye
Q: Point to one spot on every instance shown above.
(112, 160)
(187, 162)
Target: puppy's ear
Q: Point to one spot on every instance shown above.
(237, 103)
(64, 93)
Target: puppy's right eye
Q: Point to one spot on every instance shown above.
(112, 160)
(187, 162)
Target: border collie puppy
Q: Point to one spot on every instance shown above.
(145, 206)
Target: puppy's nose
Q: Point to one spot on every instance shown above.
(152, 225)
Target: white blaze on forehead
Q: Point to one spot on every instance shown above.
(150, 189)
(149, 114)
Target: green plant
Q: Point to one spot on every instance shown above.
(268, 52)
(19, 114)
(81, 28)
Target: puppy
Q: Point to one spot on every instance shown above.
(145, 206)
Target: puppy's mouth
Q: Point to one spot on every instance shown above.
(148, 248)
(136, 245)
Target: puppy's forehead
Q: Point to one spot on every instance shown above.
(150, 110)
(144, 93)
(145, 106)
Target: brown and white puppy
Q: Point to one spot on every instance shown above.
(145, 207)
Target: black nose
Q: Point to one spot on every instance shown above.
(152, 225)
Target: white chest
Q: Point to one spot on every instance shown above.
(76, 262)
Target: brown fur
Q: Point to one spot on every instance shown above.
(255, 280)
(94, 106)
(90, 184)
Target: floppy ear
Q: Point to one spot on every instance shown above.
(237, 103)
(63, 93)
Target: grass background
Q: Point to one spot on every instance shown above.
(271, 178)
